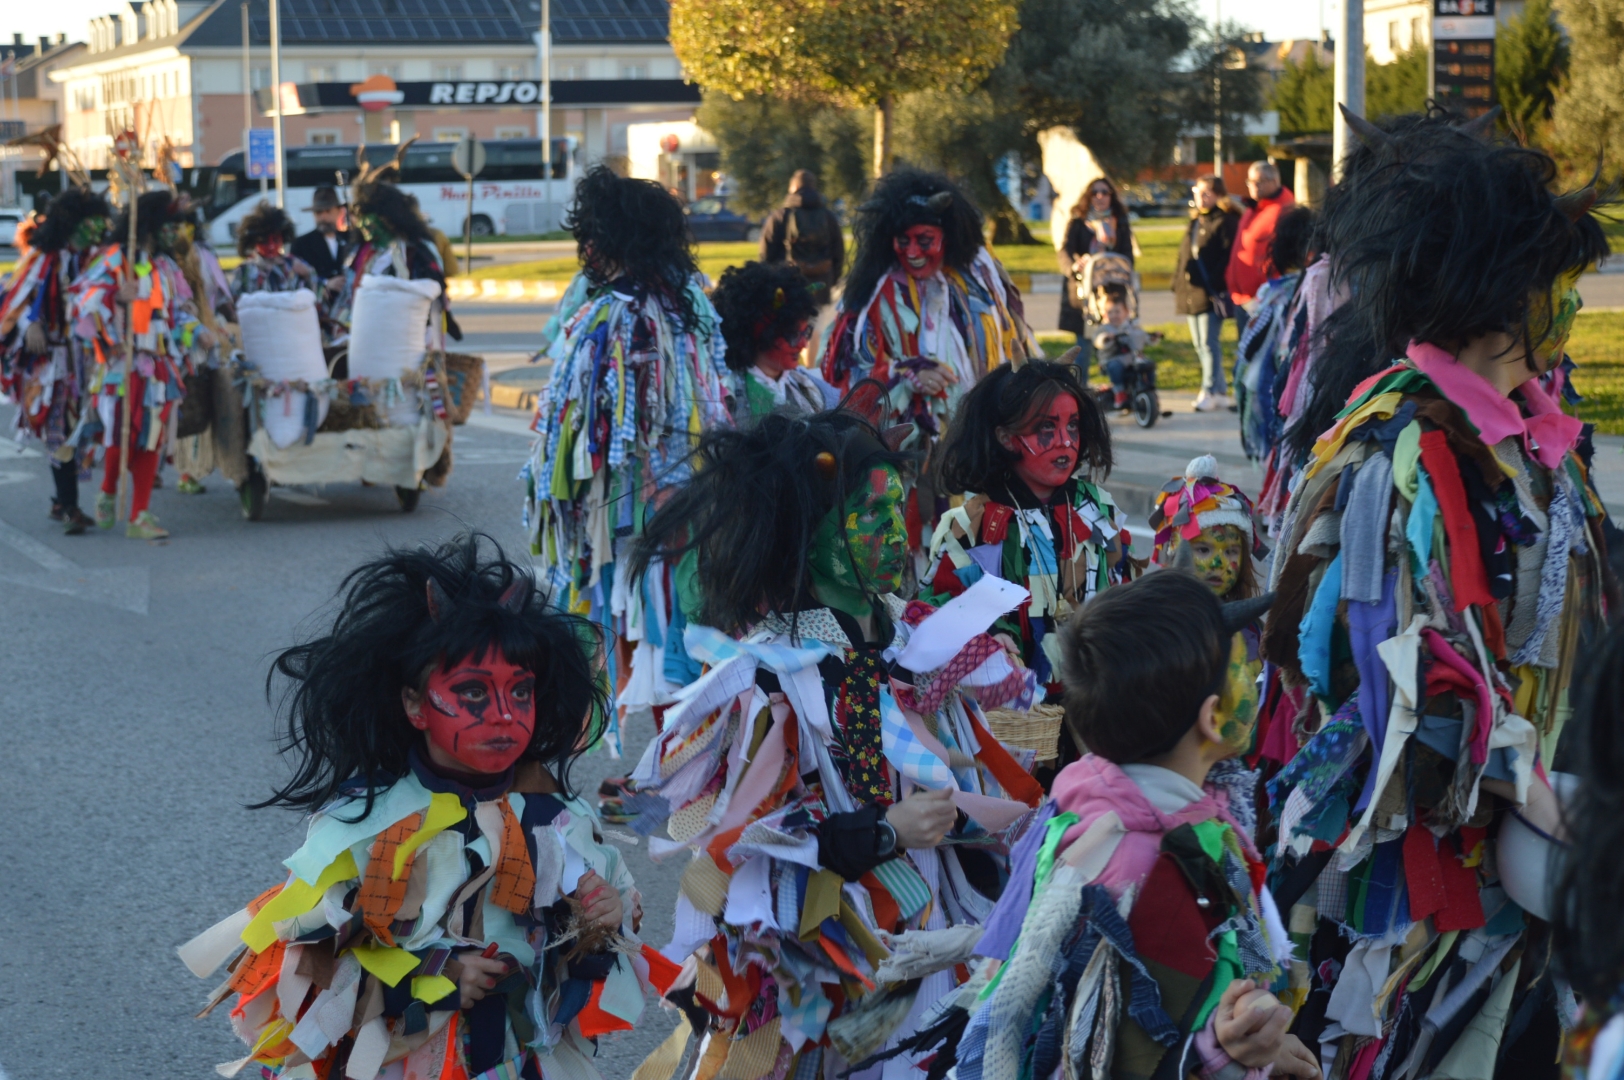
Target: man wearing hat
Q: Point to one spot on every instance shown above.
(323, 247)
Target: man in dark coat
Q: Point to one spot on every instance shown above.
(806, 233)
(323, 247)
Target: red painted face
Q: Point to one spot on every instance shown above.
(270, 247)
(480, 715)
(1048, 447)
(785, 352)
(920, 250)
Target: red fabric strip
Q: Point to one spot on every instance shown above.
(1467, 576)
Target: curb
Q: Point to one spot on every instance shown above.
(512, 396)
(516, 290)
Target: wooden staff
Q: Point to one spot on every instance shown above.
(121, 507)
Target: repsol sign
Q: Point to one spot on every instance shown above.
(485, 93)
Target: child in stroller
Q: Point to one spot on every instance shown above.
(1120, 343)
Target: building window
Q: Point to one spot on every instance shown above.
(321, 73)
(259, 77)
(447, 72)
(1418, 34)
(450, 134)
(1393, 45)
(322, 137)
(513, 133)
(512, 71)
(391, 70)
(634, 71)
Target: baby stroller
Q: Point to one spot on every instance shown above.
(1104, 279)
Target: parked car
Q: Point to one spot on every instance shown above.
(710, 219)
(1156, 198)
(10, 218)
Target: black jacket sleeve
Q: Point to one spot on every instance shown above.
(772, 236)
(849, 843)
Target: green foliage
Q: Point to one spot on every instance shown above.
(1303, 95)
(1215, 85)
(764, 140)
(1530, 62)
(1397, 88)
(1304, 92)
(1589, 111)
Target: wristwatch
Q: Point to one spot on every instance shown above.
(885, 841)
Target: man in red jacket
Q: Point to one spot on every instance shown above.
(1249, 265)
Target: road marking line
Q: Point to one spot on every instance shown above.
(35, 550)
(128, 588)
(7, 477)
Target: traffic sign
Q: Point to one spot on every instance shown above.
(468, 157)
(261, 153)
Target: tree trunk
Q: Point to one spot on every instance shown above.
(882, 137)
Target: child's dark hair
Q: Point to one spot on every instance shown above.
(1409, 247)
(1293, 240)
(1138, 661)
(633, 229)
(760, 303)
(263, 222)
(1588, 937)
(344, 721)
(749, 513)
(971, 457)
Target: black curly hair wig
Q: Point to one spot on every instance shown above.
(634, 229)
(66, 211)
(1441, 236)
(760, 303)
(343, 720)
(749, 512)
(263, 222)
(153, 210)
(971, 459)
(1293, 242)
(900, 200)
(398, 210)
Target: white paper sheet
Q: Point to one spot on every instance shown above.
(940, 637)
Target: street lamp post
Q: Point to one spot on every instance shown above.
(1349, 79)
(276, 97)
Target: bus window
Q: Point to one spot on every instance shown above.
(225, 192)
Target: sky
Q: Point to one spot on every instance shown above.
(1278, 19)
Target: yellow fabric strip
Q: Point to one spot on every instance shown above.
(662, 1063)
(390, 965)
(1383, 405)
(861, 936)
(296, 898)
(822, 902)
(445, 810)
(431, 988)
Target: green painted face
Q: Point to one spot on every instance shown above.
(1217, 553)
(376, 229)
(88, 234)
(1236, 714)
(173, 237)
(1568, 303)
(865, 558)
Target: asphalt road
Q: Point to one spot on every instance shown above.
(138, 730)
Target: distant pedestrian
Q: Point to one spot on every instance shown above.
(806, 233)
(1099, 224)
(1249, 265)
(1198, 283)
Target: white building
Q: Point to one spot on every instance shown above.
(1396, 26)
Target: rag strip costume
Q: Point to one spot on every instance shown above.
(351, 958)
(1134, 899)
(1440, 558)
(50, 388)
(163, 322)
(1059, 550)
(1279, 380)
(631, 389)
(1262, 359)
(798, 389)
(279, 273)
(774, 769)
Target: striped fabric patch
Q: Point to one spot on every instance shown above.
(905, 885)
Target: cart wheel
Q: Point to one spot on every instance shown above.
(252, 493)
(408, 498)
(1147, 408)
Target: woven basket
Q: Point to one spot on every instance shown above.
(464, 377)
(1037, 730)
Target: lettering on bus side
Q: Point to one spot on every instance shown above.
(456, 193)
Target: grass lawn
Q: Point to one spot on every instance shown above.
(1597, 346)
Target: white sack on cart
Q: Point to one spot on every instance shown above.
(281, 337)
(386, 334)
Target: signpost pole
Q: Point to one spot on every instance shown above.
(468, 230)
(276, 96)
(1349, 81)
(547, 102)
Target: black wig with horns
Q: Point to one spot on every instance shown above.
(1440, 235)
(634, 231)
(66, 212)
(901, 200)
(755, 500)
(399, 616)
(761, 304)
(263, 222)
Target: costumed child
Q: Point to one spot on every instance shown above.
(1027, 450)
(637, 376)
(212, 401)
(1273, 330)
(816, 780)
(767, 310)
(263, 238)
(1441, 560)
(1135, 937)
(927, 311)
(1120, 342)
(453, 911)
(44, 368)
(151, 300)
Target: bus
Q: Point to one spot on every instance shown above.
(510, 194)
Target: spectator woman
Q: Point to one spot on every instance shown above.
(1099, 223)
(1198, 283)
